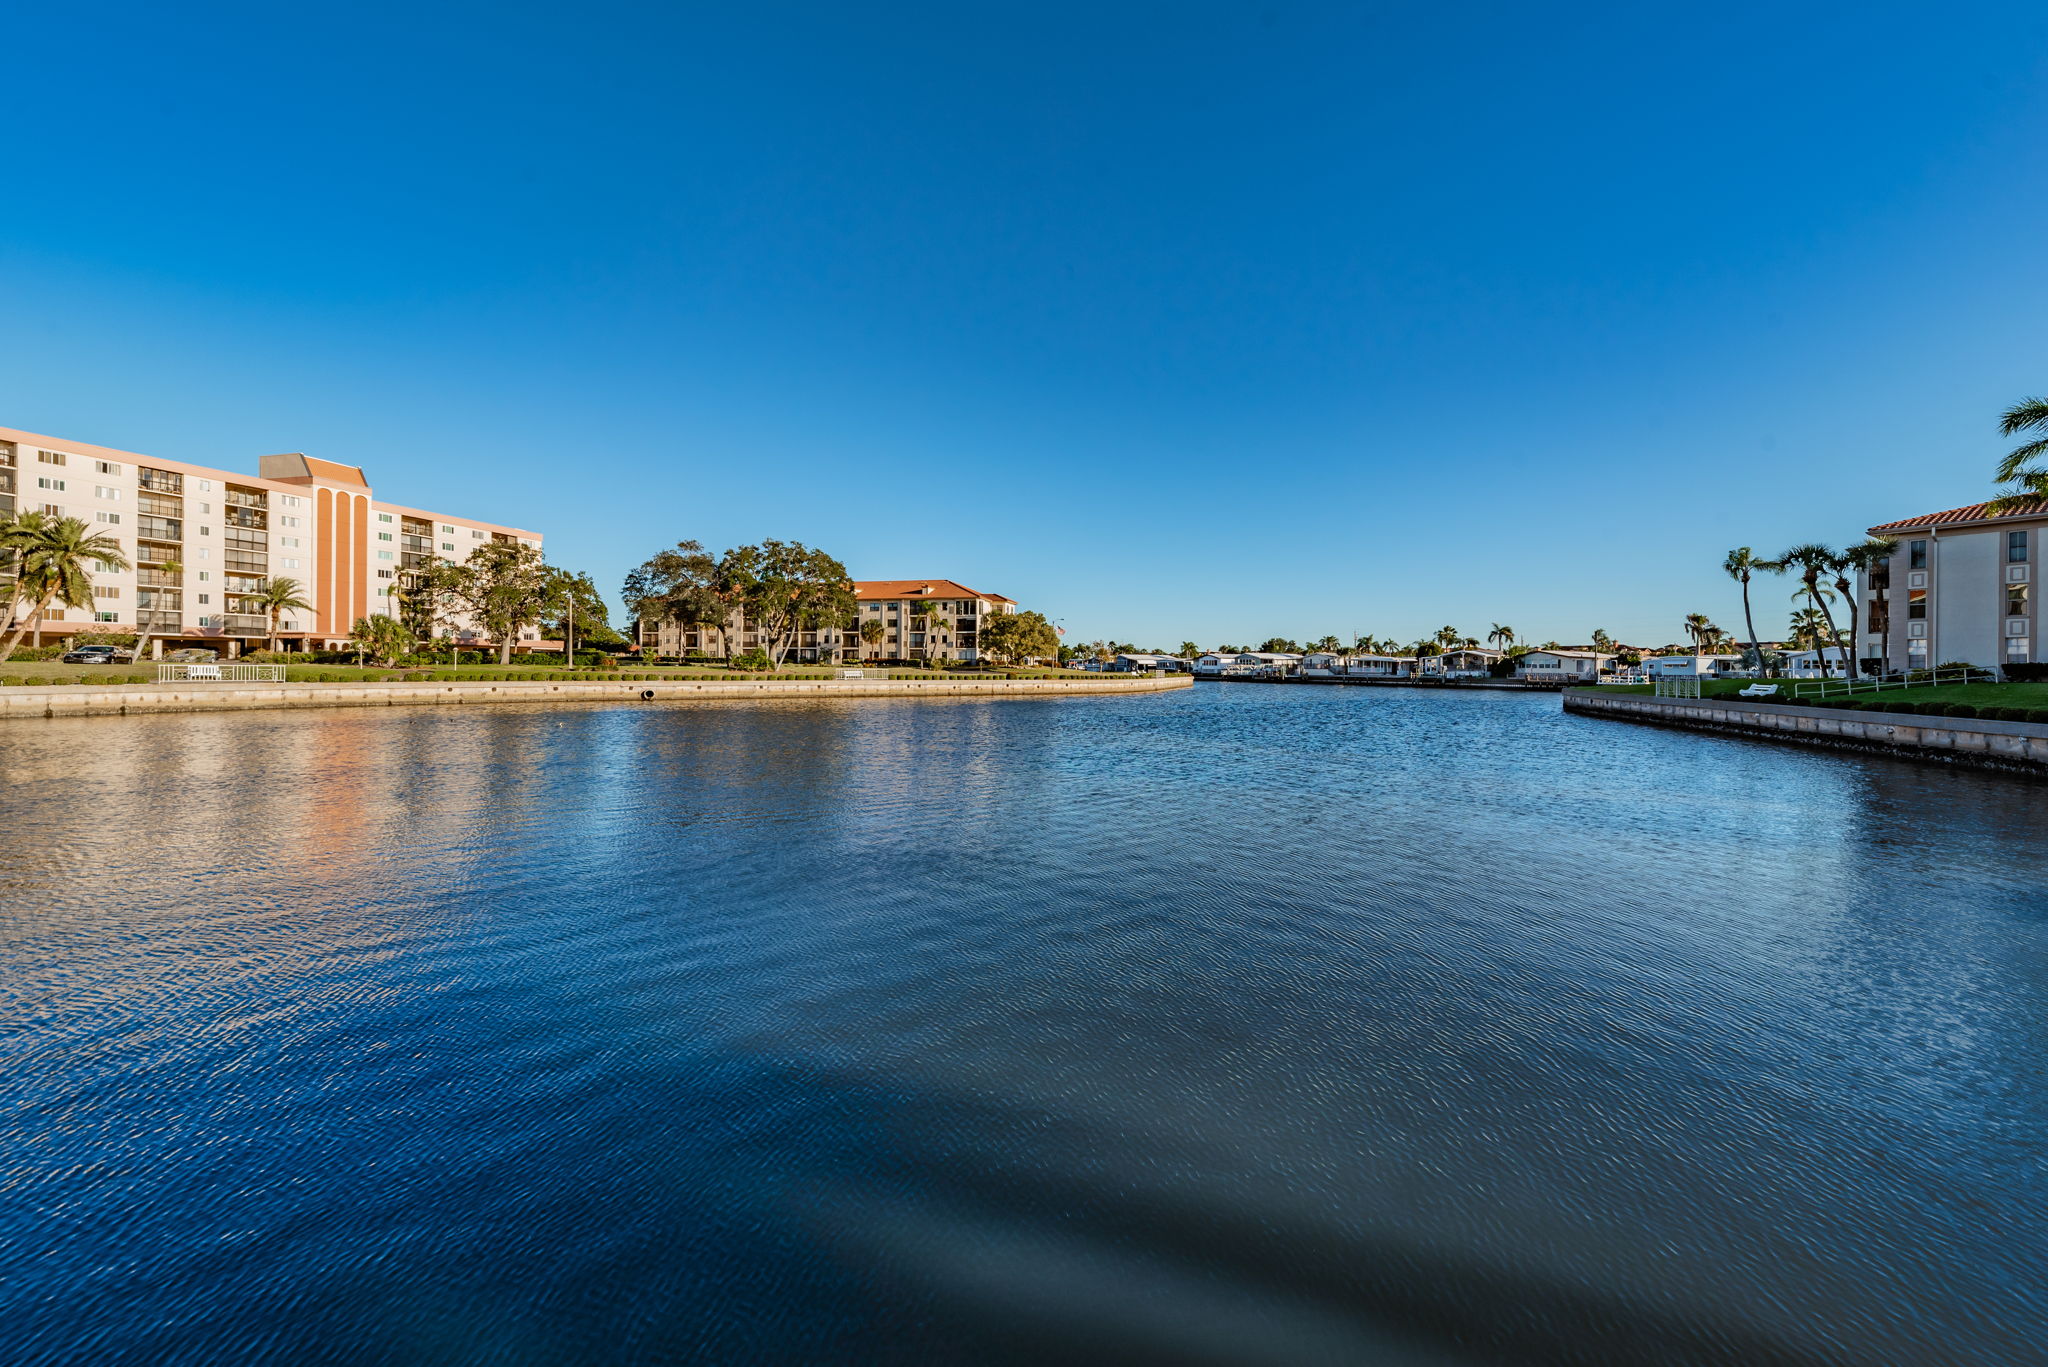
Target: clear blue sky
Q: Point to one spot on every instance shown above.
(1175, 321)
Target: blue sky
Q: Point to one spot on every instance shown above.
(1174, 321)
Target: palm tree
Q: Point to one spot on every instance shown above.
(1812, 560)
(1330, 645)
(52, 568)
(1501, 637)
(1742, 565)
(1189, 650)
(933, 624)
(1603, 644)
(280, 596)
(1696, 626)
(18, 532)
(872, 631)
(1863, 557)
(145, 626)
(2030, 482)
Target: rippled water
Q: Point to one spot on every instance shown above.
(1237, 1025)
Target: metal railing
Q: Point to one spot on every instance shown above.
(220, 673)
(1834, 688)
(1688, 687)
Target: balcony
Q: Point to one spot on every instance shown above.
(159, 528)
(159, 505)
(149, 577)
(242, 517)
(242, 624)
(246, 498)
(161, 481)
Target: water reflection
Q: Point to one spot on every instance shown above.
(1240, 1025)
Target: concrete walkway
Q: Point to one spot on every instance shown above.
(2013, 745)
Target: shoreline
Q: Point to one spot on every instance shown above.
(2012, 747)
(123, 700)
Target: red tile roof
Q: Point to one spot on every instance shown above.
(1975, 512)
(919, 588)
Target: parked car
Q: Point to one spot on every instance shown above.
(192, 656)
(98, 655)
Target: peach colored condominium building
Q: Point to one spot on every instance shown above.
(202, 541)
(914, 619)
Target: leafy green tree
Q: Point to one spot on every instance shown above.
(54, 560)
(1279, 645)
(1189, 650)
(383, 639)
(1009, 637)
(506, 586)
(680, 586)
(784, 587)
(279, 596)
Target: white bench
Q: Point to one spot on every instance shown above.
(849, 674)
(1758, 690)
(203, 672)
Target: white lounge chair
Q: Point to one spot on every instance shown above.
(1758, 690)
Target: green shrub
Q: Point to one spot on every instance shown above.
(1959, 709)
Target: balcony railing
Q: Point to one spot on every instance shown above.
(161, 481)
(160, 528)
(243, 517)
(247, 498)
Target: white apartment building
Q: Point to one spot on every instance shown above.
(202, 541)
(1960, 587)
(909, 619)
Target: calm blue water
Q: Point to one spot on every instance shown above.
(1238, 1025)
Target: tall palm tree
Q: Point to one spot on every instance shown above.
(53, 567)
(2029, 481)
(934, 623)
(1812, 560)
(1603, 644)
(1742, 565)
(280, 596)
(1189, 650)
(18, 532)
(145, 622)
(872, 632)
(1501, 637)
(2028, 415)
(1864, 557)
(1696, 625)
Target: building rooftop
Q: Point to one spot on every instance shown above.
(1972, 512)
(920, 588)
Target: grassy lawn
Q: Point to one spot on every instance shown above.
(2029, 696)
(19, 672)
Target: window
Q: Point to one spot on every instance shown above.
(106, 616)
(290, 563)
(2015, 548)
(106, 467)
(1916, 555)
(447, 545)
(205, 598)
(475, 535)
(290, 541)
(384, 555)
(384, 517)
(386, 574)
(102, 491)
(2016, 650)
(52, 457)
(111, 519)
(202, 553)
(206, 531)
(288, 522)
(45, 482)
(384, 536)
(205, 575)
(205, 486)
(290, 500)
(106, 590)
(2016, 600)
(1916, 603)
(206, 507)
(448, 529)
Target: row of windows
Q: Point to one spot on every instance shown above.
(2015, 551)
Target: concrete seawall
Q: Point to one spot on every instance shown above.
(2015, 746)
(91, 700)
